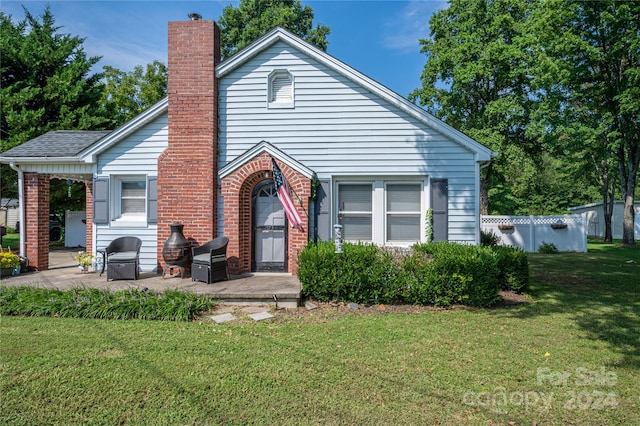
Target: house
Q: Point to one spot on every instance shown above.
(9, 212)
(595, 218)
(352, 151)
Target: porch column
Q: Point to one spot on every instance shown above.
(88, 189)
(36, 198)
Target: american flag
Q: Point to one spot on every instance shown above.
(284, 195)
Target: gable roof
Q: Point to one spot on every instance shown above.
(274, 152)
(57, 144)
(280, 34)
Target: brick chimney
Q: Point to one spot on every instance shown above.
(187, 169)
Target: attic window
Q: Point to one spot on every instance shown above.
(280, 89)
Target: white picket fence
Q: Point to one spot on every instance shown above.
(566, 232)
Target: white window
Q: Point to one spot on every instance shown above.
(281, 89)
(381, 211)
(130, 198)
(355, 211)
(403, 212)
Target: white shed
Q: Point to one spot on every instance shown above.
(595, 218)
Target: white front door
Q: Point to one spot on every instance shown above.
(269, 230)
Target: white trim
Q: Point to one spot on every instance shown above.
(481, 152)
(258, 149)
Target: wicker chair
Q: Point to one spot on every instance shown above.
(123, 258)
(209, 262)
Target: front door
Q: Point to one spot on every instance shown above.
(269, 230)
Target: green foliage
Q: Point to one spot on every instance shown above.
(127, 94)
(489, 239)
(460, 273)
(44, 85)
(253, 18)
(171, 305)
(362, 273)
(548, 248)
(439, 274)
(512, 267)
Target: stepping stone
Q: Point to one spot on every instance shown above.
(260, 316)
(310, 306)
(223, 318)
(353, 306)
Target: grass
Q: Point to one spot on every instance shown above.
(570, 356)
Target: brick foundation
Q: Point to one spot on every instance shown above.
(36, 198)
(237, 191)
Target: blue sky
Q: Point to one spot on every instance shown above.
(378, 38)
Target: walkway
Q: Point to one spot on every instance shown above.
(250, 289)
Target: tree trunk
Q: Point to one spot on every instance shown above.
(607, 208)
(485, 182)
(628, 176)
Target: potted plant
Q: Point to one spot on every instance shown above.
(8, 263)
(84, 260)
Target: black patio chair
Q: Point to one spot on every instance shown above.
(209, 262)
(123, 258)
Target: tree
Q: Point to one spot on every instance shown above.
(593, 50)
(44, 85)
(127, 94)
(253, 18)
(477, 80)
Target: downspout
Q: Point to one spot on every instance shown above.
(21, 206)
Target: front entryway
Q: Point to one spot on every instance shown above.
(269, 230)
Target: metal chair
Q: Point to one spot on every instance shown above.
(123, 258)
(209, 262)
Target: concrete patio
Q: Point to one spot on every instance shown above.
(250, 289)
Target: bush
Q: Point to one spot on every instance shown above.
(489, 239)
(548, 248)
(362, 273)
(461, 273)
(513, 268)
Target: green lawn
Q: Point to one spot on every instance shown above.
(569, 356)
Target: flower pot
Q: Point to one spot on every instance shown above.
(6, 272)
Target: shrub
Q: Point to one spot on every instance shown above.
(548, 248)
(489, 239)
(439, 274)
(362, 273)
(513, 268)
(9, 259)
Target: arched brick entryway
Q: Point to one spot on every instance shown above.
(237, 189)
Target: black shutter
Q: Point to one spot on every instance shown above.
(101, 200)
(323, 206)
(439, 204)
(152, 199)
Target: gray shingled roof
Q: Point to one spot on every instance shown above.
(59, 143)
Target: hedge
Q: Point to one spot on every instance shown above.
(439, 274)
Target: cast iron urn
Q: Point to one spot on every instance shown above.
(176, 251)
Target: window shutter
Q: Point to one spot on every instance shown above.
(152, 199)
(101, 200)
(439, 204)
(323, 203)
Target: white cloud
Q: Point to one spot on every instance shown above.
(403, 30)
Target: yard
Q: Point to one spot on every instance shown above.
(569, 355)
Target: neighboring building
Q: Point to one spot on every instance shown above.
(353, 152)
(9, 212)
(595, 218)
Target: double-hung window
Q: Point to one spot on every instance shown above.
(381, 211)
(130, 198)
(403, 212)
(355, 211)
